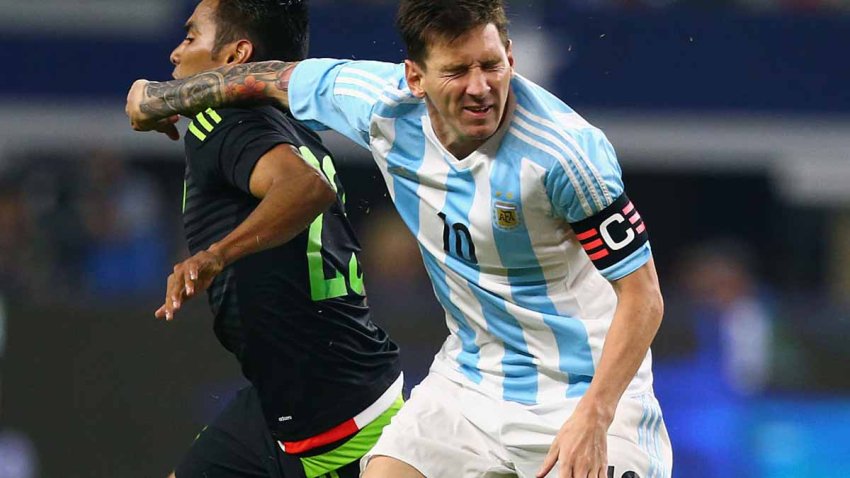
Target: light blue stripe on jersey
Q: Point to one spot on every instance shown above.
(470, 354)
(528, 283)
(406, 199)
(520, 372)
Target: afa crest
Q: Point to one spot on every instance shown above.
(506, 215)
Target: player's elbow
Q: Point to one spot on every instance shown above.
(321, 193)
(655, 306)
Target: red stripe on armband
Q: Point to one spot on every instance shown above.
(613, 234)
(587, 235)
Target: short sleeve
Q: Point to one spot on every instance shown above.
(588, 179)
(342, 95)
(586, 189)
(232, 146)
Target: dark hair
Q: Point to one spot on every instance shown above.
(421, 22)
(278, 29)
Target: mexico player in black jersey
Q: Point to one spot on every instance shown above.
(265, 221)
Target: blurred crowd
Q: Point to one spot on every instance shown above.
(789, 6)
(746, 5)
(86, 224)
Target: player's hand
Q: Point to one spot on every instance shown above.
(580, 447)
(145, 121)
(190, 277)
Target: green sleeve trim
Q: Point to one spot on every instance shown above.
(203, 122)
(215, 117)
(195, 131)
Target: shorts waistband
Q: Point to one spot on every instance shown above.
(350, 426)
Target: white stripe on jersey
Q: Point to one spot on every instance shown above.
(369, 99)
(375, 79)
(379, 89)
(572, 121)
(582, 155)
(436, 169)
(358, 82)
(575, 159)
(555, 154)
(354, 93)
(381, 146)
(546, 234)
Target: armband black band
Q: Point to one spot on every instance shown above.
(613, 234)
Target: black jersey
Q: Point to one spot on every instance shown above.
(295, 315)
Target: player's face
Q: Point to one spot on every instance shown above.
(194, 54)
(466, 83)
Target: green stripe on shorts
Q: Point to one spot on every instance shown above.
(353, 449)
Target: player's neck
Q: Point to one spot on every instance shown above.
(461, 149)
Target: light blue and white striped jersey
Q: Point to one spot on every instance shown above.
(527, 310)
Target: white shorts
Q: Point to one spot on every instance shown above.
(448, 430)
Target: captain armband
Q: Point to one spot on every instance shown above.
(613, 234)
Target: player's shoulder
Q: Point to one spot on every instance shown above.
(258, 114)
(551, 127)
(375, 74)
(383, 84)
(536, 103)
(208, 127)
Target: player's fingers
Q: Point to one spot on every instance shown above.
(580, 471)
(574, 466)
(175, 289)
(167, 127)
(548, 462)
(166, 311)
(189, 280)
(160, 312)
(601, 464)
(601, 472)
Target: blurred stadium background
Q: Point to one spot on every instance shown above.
(732, 123)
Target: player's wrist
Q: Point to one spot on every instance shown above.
(218, 253)
(597, 410)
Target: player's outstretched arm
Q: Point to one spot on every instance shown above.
(151, 104)
(292, 194)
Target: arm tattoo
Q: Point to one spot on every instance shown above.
(249, 83)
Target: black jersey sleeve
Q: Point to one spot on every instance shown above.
(223, 146)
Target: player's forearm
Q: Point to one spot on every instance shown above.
(283, 213)
(640, 308)
(248, 83)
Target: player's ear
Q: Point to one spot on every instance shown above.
(240, 52)
(413, 75)
(509, 48)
